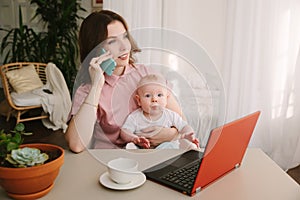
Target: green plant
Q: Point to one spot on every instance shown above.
(10, 141)
(57, 43)
(60, 44)
(26, 157)
(20, 44)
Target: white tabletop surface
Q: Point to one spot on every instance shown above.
(258, 178)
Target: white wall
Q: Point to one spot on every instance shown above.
(202, 21)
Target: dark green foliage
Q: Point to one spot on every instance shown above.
(11, 140)
(20, 44)
(58, 44)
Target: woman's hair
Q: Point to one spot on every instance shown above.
(93, 31)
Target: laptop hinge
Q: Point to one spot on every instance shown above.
(237, 165)
(198, 189)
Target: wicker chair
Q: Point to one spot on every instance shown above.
(13, 109)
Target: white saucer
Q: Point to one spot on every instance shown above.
(107, 182)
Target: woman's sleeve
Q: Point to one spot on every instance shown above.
(78, 99)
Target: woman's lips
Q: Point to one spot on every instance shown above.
(123, 57)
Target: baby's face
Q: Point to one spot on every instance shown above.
(152, 98)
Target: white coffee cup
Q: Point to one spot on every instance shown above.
(123, 170)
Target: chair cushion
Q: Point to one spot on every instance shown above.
(29, 98)
(24, 79)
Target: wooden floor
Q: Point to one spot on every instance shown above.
(43, 135)
(40, 133)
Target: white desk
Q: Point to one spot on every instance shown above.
(258, 178)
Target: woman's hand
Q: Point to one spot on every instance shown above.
(159, 135)
(96, 73)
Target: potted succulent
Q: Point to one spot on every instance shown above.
(27, 171)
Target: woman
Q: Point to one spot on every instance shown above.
(102, 102)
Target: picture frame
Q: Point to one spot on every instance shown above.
(97, 3)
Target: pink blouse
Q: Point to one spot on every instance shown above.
(115, 103)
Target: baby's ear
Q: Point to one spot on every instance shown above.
(137, 97)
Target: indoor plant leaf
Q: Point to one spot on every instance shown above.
(11, 146)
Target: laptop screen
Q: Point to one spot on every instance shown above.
(225, 149)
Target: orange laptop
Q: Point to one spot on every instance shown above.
(191, 171)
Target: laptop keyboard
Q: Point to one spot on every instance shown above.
(183, 177)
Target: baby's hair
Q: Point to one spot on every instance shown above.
(152, 79)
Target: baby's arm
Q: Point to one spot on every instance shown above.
(188, 133)
(142, 141)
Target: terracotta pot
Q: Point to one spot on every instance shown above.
(32, 182)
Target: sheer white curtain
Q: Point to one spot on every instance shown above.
(262, 62)
(138, 13)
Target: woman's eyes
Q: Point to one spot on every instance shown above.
(111, 41)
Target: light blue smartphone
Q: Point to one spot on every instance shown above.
(108, 65)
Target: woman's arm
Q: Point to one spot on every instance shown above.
(127, 135)
(80, 130)
(81, 126)
(164, 135)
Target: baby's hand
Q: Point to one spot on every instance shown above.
(196, 142)
(191, 137)
(142, 141)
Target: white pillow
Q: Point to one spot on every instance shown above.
(24, 79)
(26, 98)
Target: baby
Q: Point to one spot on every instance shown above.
(152, 94)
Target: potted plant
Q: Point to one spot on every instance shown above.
(20, 43)
(27, 171)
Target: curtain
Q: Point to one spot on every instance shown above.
(138, 13)
(262, 61)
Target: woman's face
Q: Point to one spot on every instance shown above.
(117, 43)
